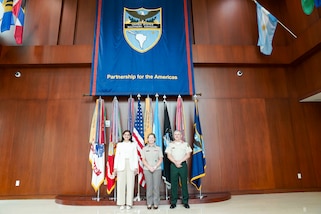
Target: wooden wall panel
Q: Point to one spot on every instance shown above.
(296, 19)
(232, 22)
(33, 84)
(69, 83)
(220, 132)
(257, 135)
(27, 147)
(305, 77)
(46, 55)
(200, 22)
(65, 164)
(86, 14)
(42, 22)
(285, 159)
(223, 82)
(68, 22)
(7, 120)
(253, 149)
(218, 129)
(302, 146)
(312, 114)
(249, 137)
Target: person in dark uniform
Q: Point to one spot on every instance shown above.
(178, 152)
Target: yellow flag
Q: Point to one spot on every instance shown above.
(148, 118)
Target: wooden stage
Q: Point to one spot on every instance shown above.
(106, 200)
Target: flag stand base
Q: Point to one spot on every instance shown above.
(137, 198)
(96, 198)
(201, 196)
(81, 200)
(112, 198)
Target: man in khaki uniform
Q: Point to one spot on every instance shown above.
(178, 152)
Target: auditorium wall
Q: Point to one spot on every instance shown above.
(258, 135)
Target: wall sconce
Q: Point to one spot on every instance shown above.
(17, 74)
(239, 73)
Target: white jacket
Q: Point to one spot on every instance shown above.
(120, 156)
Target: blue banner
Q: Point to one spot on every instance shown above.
(142, 47)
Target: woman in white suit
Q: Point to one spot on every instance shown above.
(126, 167)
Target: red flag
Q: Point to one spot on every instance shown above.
(115, 136)
(131, 114)
(19, 9)
(138, 138)
(180, 119)
(16, 7)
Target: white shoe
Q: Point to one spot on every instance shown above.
(122, 207)
(128, 207)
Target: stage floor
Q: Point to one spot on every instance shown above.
(107, 200)
(276, 203)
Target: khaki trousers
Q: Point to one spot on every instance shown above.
(153, 180)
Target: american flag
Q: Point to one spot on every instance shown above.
(138, 138)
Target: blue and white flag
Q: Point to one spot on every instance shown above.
(266, 25)
(142, 47)
(157, 128)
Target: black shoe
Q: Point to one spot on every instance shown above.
(172, 206)
(186, 206)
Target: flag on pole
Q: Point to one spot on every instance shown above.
(198, 157)
(97, 141)
(19, 12)
(180, 119)
(131, 114)
(266, 25)
(115, 136)
(7, 18)
(167, 138)
(148, 118)
(16, 7)
(157, 129)
(138, 138)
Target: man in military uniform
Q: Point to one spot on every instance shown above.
(178, 152)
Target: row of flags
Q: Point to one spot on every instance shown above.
(139, 132)
(13, 13)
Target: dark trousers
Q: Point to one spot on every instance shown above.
(177, 173)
